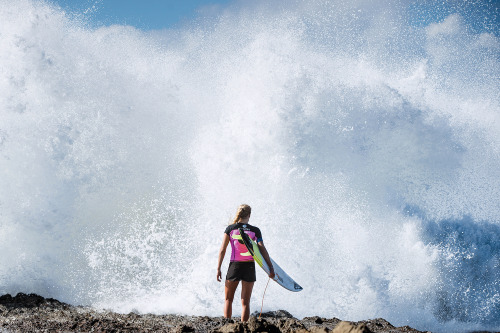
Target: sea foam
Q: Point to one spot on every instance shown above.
(367, 145)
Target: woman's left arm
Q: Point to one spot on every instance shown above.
(267, 258)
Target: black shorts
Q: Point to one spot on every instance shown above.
(241, 270)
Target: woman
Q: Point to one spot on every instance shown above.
(242, 266)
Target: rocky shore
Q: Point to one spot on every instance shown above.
(33, 313)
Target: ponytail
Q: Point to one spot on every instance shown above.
(244, 211)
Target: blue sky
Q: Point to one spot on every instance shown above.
(143, 14)
(159, 14)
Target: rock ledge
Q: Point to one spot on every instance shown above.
(34, 313)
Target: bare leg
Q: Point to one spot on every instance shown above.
(246, 293)
(229, 291)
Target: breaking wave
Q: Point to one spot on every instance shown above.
(368, 146)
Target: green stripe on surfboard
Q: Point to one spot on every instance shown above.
(282, 278)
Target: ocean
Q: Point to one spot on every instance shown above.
(365, 136)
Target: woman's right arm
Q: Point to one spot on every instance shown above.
(267, 258)
(222, 253)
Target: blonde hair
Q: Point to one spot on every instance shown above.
(244, 211)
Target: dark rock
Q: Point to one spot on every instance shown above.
(22, 300)
(318, 320)
(184, 328)
(33, 313)
(274, 314)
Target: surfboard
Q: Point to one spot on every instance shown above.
(282, 278)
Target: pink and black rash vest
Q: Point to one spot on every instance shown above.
(239, 251)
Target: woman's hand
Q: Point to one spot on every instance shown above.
(219, 275)
(271, 273)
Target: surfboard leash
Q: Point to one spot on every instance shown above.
(264, 294)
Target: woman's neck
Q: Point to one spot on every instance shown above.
(244, 221)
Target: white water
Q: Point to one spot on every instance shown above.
(368, 148)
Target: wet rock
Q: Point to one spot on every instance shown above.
(33, 313)
(274, 314)
(346, 327)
